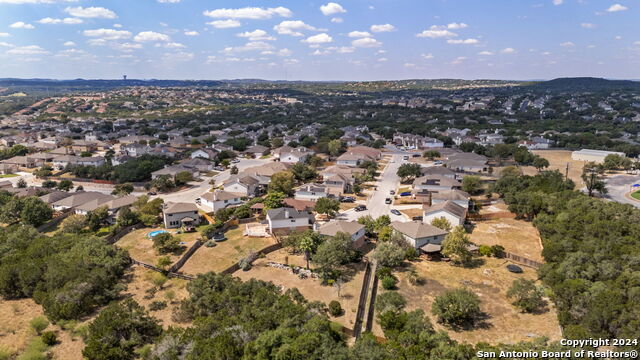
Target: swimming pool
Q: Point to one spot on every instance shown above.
(154, 233)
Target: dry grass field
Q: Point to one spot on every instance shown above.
(517, 236)
(558, 160)
(139, 280)
(310, 288)
(490, 281)
(140, 246)
(225, 253)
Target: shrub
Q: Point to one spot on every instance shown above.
(497, 251)
(39, 323)
(210, 243)
(485, 250)
(411, 254)
(414, 278)
(49, 338)
(389, 282)
(526, 295)
(245, 264)
(334, 308)
(157, 305)
(456, 307)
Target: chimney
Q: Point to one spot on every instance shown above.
(286, 214)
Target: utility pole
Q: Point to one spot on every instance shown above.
(566, 173)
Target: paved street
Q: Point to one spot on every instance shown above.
(376, 201)
(619, 186)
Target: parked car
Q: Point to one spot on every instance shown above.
(151, 193)
(416, 155)
(406, 157)
(387, 201)
(392, 192)
(360, 208)
(348, 199)
(406, 193)
(437, 162)
(218, 168)
(417, 218)
(395, 212)
(235, 161)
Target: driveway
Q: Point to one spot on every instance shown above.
(619, 186)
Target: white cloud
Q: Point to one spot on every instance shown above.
(508, 50)
(224, 24)
(179, 56)
(250, 46)
(91, 12)
(28, 50)
(284, 52)
(588, 25)
(5, 44)
(67, 21)
(173, 45)
(168, 1)
(107, 34)
(256, 35)
(409, 65)
(127, 47)
(382, 28)
(366, 43)
(322, 38)
(21, 25)
(383, 60)
(3, 34)
(69, 43)
(118, 26)
(254, 13)
(146, 36)
(427, 56)
(462, 42)
(567, 44)
(456, 26)
(358, 34)
(332, 8)
(436, 33)
(337, 20)
(458, 60)
(616, 8)
(293, 28)
(558, 2)
(191, 33)
(485, 53)
(345, 50)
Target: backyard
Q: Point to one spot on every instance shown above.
(140, 246)
(516, 236)
(503, 323)
(225, 253)
(558, 160)
(311, 288)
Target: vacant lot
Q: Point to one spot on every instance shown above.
(139, 281)
(517, 236)
(312, 289)
(140, 246)
(558, 160)
(225, 253)
(503, 324)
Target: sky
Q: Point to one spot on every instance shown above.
(319, 40)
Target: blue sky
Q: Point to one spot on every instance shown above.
(319, 40)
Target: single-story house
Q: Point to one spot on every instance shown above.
(457, 196)
(449, 210)
(174, 170)
(199, 164)
(353, 228)
(286, 220)
(312, 192)
(177, 215)
(205, 154)
(79, 198)
(419, 234)
(257, 151)
(8, 168)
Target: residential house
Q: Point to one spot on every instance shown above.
(257, 151)
(353, 159)
(246, 185)
(536, 143)
(300, 205)
(352, 228)
(199, 164)
(209, 154)
(448, 209)
(349, 171)
(176, 215)
(435, 183)
(220, 199)
(77, 199)
(6, 169)
(267, 170)
(286, 220)
(312, 192)
(459, 197)
(438, 171)
(54, 196)
(467, 162)
(417, 141)
(174, 170)
(23, 162)
(419, 234)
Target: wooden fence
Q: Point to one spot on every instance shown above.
(55, 221)
(491, 216)
(523, 260)
(157, 269)
(180, 263)
(112, 239)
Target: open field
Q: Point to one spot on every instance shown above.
(140, 247)
(225, 253)
(636, 195)
(558, 160)
(517, 236)
(139, 280)
(310, 288)
(490, 281)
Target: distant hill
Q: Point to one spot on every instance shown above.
(585, 84)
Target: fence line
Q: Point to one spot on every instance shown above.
(55, 221)
(180, 263)
(112, 239)
(523, 260)
(492, 216)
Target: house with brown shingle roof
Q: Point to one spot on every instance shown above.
(353, 228)
(177, 215)
(449, 210)
(419, 234)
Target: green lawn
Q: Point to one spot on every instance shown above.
(8, 175)
(636, 195)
